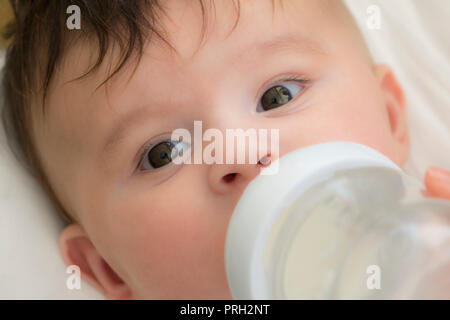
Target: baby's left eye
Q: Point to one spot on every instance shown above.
(278, 96)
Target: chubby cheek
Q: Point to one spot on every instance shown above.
(364, 118)
(173, 246)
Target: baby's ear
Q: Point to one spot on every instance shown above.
(77, 249)
(395, 106)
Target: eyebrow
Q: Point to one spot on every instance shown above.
(283, 42)
(119, 129)
(280, 43)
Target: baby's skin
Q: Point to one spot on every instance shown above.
(141, 232)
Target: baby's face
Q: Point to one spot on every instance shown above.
(163, 230)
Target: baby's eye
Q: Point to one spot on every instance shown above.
(278, 96)
(162, 154)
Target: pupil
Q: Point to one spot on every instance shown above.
(275, 97)
(160, 155)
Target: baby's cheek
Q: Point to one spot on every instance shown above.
(342, 119)
(174, 245)
(355, 110)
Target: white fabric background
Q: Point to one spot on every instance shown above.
(414, 40)
(30, 263)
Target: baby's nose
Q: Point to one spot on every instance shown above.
(225, 178)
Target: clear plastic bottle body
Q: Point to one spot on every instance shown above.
(364, 233)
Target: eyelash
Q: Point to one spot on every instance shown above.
(286, 78)
(280, 79)
(296, 78)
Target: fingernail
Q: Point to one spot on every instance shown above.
(439, 174)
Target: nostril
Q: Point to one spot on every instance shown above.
(229, 177)
(265, 161)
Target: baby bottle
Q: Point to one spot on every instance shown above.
(338, 220)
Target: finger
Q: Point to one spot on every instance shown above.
(437, 182)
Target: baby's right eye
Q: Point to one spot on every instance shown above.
(161, 154)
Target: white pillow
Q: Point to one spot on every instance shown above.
(414, 40)
(30, 264)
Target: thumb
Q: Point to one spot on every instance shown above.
(437, 181)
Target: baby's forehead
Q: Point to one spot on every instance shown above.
(188, 28)
(185, 30)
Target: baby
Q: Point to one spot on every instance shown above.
(92, 110)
